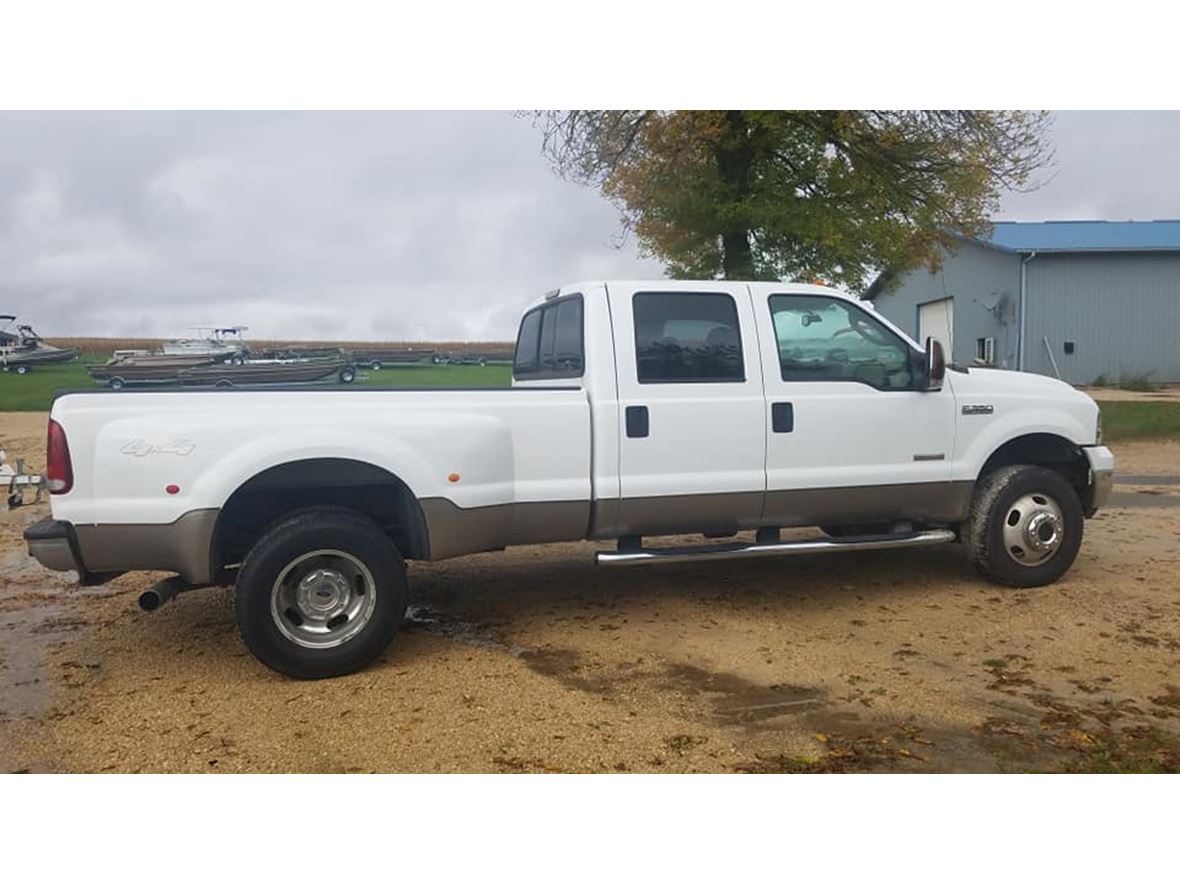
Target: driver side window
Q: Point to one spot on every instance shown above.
(828, 339)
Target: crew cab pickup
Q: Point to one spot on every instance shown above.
(637, 409)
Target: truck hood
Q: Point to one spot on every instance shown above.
(1003, 388)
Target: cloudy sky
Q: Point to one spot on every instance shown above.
(377, 225)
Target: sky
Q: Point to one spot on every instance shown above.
(377, 226)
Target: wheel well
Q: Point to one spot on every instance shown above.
(318, 482)
(1043, 450)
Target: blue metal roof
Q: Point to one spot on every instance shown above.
(1085, 236)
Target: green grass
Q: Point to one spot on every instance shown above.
(1122, 421)
(34, 392)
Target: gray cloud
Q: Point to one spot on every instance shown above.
(373, 225)
(328, 224)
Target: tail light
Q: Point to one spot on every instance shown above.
(58, 469)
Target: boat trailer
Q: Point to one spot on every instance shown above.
(17, 481)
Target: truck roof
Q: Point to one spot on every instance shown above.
(691, 286)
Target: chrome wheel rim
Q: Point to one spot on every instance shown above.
(1033, 529)
(323, 599)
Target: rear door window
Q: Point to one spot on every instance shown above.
(687, 338)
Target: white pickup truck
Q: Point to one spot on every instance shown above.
(637, 409)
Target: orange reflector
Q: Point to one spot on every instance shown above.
(454, 477)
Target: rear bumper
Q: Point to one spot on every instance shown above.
(100, 552)
(1101, 477)
(53, 543)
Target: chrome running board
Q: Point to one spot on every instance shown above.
(780, 548)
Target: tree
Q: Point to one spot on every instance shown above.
(836, 195)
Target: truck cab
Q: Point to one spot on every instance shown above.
(723, 406)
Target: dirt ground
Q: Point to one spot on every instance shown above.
(535, 660)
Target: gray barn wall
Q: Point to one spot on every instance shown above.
(976, 278)
(1122, 311)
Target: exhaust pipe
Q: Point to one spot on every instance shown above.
(163, 591)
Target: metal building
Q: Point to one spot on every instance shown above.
(1078, 299)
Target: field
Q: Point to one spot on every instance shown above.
(34, 391)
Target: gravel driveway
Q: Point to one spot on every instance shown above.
(535, 660)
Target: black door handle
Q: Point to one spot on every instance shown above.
(782, 417)
(636, 421)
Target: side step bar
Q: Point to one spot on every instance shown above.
(780, 548)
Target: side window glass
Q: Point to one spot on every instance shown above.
(550, 342)
(687, 338)
(565, 357)
(526, 360)
(827, 339)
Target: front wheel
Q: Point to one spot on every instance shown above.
(347, 375)
(1025, 526)
(22, 370)
(321, 594)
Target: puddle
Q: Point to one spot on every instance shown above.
(428, 620)
(26, 688)
(740, 700)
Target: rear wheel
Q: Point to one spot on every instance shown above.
(321, 594)
(347, 375)
(375, 365)
(22, 370)
(1025, 526)
(117, 383)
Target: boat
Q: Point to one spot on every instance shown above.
(23, 348)
(145, 368)
(277, 371)
(226, 343)
(377, 357)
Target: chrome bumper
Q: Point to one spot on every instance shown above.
(1101, 477)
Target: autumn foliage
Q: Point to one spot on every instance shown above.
(837, 195)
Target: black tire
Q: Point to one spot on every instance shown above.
(347, 375)
(22, 370)
(992, 509)
(375, 365)
(117, 383)
(298, 536)
(237, 360)
(224, 383)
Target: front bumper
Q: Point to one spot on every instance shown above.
(1101, 477)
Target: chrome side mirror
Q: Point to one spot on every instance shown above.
(935, 364)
